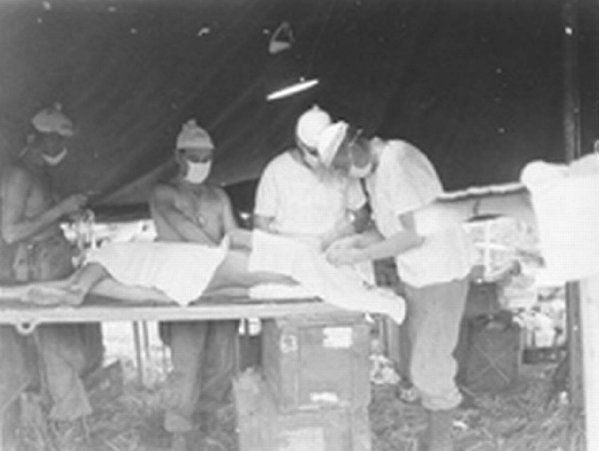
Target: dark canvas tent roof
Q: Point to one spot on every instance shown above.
(477, 85)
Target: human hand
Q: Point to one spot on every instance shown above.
(348, 242)
(325, 241)
(343, 256)
(72, 203)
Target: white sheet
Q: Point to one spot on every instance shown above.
(181, 270)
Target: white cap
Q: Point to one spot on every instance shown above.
(53, 120)
(330, 140)
(310, 125)
(192, 136)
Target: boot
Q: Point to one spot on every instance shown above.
(438, 436)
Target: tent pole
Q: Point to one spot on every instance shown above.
(582, 375)
(571, 125)
(571, 118)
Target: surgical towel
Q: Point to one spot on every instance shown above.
(345, 289)
(180, 270)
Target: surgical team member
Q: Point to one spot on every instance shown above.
(190, 209)
(434, 266)
(299, 198)
(30, 214)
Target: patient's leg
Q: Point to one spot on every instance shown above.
(91, 278)
(233, 272)
(130, 294)
(42, 293)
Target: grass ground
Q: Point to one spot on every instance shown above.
(522, 418)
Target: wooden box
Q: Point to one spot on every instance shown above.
(311, 361)
(263, 427)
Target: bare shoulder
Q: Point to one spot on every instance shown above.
(219, 194)
(163, 192)
(17, 174)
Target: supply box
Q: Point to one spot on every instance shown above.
(315, 361)
(263, 427)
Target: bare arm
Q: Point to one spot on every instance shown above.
(371, 245)
(347, 227)
(368, 237)
(396, 244)
(263, 223)
(229, 222)
(15, 227)
(266, 201)
(163, 204)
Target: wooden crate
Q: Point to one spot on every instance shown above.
(263, 427)
(489, 353)
(312, 361)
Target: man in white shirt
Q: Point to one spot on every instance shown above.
(434, 263)
(299, 198)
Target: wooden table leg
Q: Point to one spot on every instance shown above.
(138, 352)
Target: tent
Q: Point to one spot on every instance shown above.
(478, 86)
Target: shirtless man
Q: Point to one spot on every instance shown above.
(190, 210)
(38, 251)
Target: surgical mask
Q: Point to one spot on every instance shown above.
(197, 172)
(311, 160)
(360, 173)
(54, 160)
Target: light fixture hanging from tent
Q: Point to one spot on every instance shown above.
(286, 74)
(298, 86)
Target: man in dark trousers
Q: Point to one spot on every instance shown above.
(35, 249)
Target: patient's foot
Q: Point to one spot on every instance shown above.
(13, 293)
(53, 295)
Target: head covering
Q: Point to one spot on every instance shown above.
(330, 140)
(193, 136)
(310, 125)
(53, 120)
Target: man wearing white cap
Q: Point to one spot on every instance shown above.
(433, 264)
(298, 197)
(30, 217)
(187, 209)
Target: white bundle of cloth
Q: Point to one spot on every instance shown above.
(565, 200)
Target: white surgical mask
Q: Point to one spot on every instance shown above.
(54, 160)
(360, 173)
(197, 172)
(311, 160)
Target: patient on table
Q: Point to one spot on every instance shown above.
(179, 273)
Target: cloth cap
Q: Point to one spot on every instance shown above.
(192, 136)
(310, 125)
(330, 140)
(53, 120)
